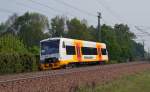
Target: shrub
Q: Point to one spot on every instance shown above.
(10, 43)
(17, 63)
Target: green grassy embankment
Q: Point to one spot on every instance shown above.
(135, 83)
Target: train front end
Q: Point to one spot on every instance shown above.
(49, 54)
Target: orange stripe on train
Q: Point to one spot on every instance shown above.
(98, 46)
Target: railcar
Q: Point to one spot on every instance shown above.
(64, 52)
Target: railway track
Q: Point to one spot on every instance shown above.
(41, 74)
(68, 80)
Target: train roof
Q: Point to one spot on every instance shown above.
(58, 38)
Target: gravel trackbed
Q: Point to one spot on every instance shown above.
(68, 80)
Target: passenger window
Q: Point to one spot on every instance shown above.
(89, 51)
(70, 50)
(104, 51)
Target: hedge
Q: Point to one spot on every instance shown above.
(17, 63)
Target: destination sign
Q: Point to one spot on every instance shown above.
(88, 57)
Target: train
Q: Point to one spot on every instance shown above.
(65, 52)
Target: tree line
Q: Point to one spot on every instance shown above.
(22, 34)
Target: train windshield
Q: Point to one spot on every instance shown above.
(50, 47)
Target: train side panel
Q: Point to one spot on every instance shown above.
(91, 56)
(104, 53)
(67, 51)
(78, 55)
(73, 51)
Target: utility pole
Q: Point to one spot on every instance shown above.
(99, 27)
(143, 49)
(148, 53)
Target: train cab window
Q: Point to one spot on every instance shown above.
(89, 51)
(50, 47)
(63, 44)
(104, 51)
(70, 50)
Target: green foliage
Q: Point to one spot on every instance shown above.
(57, 26)
(138, 50)
(135, 83)
(124, 38)
(34, 50)
(109, 37)
(10, 43)
(22, 34)
(119, 43)
(17, 63)
(31, 28)
(78, 30)
(2, 28)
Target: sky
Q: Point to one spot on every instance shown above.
(131, 12)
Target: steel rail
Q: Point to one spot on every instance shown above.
(74, 70)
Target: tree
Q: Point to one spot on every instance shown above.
(57, 26)
(9, 43)
(124, 38)
(78, 30)
(137, 50)
(31, 28)
(110, 39)
(93, 32)
(2, 28)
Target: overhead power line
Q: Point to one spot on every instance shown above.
(66, 4)
(30, 7)
(79, 10)
(141, 30)
(44, 5)
(75, 8)
(115, 15)
(54, 9)
(110, 11)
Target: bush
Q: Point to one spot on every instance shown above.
(10, 43)
(17, 63)
(35, 50)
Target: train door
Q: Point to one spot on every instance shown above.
(78, 51)
(99, 52)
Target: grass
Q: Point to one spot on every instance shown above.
(135, 83)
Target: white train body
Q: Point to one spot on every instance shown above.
(58, 52)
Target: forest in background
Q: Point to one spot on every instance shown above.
(20, 37)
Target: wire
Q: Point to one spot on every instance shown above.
(68, 5)
(26, 6)
(110, 11)
(141, 30)
(54, 9)
(44, 5)
(75, 8)
(115, 15)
